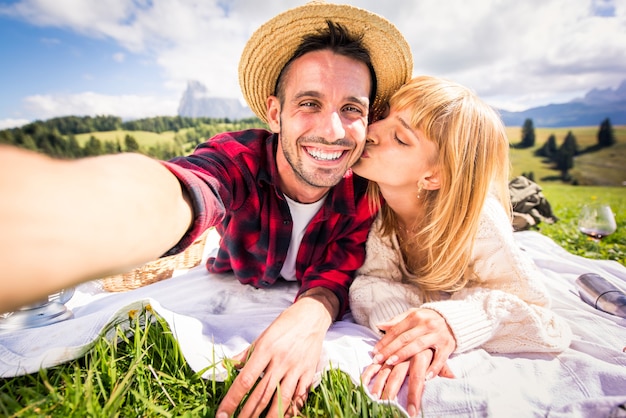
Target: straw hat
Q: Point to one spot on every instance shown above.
(273, 44)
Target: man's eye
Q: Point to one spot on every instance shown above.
(353, 109)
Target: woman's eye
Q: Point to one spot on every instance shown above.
(399, 141)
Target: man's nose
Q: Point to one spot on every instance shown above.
(335, 128)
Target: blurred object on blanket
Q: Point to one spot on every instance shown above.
(601, 294)
(157, 270)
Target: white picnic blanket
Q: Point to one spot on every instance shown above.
(213, 316)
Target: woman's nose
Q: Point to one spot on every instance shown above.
(373, 133)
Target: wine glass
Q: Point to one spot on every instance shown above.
(596, 221)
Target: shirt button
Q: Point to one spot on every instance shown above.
(286, 222)
(265, 283)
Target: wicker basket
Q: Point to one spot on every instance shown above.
(157, 270)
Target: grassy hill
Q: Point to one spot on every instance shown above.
(605, 167)
(144, 138)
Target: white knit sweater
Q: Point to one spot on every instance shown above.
(504, 307)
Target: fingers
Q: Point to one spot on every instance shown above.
(299, 399)
(413, 332)
(380, 381)
(243, 384)
(388, 379)
(290, 397)
(395, 380)
(369, 372)
(417, 378)
(239, 360)
(439, 365)
(446, 372)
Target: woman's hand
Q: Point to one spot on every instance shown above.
(389, 379)
(416, 344)
(412, 332)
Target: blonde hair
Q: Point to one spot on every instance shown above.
(472, 161)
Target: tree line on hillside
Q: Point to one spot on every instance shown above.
(562, 156)
(57, 137)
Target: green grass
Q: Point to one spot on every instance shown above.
(141, 372)
(144, 138)
(567, 201)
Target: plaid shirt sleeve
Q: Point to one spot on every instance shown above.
(208, 209)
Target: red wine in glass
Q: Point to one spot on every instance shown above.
(596, 221)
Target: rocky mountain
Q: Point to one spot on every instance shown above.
(591, 110)
(197, 102)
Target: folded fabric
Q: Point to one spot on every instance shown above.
(214, 316)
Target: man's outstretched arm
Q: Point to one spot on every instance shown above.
(67, 221)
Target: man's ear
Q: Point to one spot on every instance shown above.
(273, 114)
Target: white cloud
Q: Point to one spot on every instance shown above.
(515, 54)
(119, 57)
(88, 103)
(12, 123)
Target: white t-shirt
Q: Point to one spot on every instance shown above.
(301, 214)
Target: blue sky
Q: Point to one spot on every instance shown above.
(133, 58)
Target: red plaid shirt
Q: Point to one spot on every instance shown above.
(233, 177)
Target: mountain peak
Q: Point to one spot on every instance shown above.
(604, 96)
(197, 102)
(591, 110)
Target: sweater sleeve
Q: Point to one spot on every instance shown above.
(377, 294)
(505, 306)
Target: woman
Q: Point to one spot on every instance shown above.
(443, 274)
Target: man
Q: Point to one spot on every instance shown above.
(284, 202)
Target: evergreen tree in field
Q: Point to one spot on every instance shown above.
(93, 147)
(131, 144)
(606, 136)
(551, 147)
(528, 134)
(73, 147)
(548, 149)
(565, 155)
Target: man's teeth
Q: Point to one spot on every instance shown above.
(318, 154)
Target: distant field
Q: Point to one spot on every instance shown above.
(606, 167)
(144, 138)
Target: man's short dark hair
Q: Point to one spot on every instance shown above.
(337, 39)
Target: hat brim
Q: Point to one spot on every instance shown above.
(273, 44)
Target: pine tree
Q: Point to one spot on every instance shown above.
(131, 143)
(606, 136)
(565, 155)
(528, 134)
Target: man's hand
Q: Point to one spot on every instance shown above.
(284, 358)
